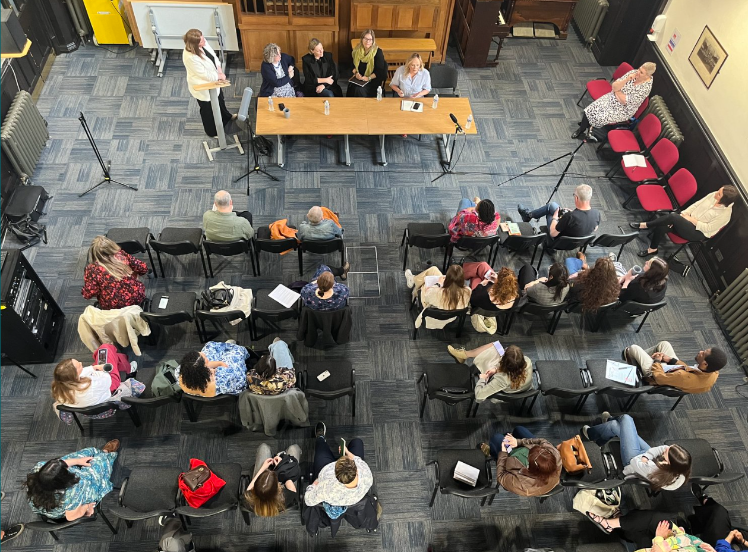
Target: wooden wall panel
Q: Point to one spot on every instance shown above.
(301, 40)
(427, 17)
(405, 18)
(384, 17)
(362, 16)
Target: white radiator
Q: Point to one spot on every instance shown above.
(732, 307)
(588, 16)
(24, 134)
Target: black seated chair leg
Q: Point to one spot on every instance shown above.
(532, 403)
(100, 511)
(210, 266)
(423, 403)
(630, 403)
(444, 264)
(620, 251)
(257, 261)
(54, 535)
(301, 261)
(191, 415)
(342, 255)
(433, 495)
(677, 402)
(247, 518)
(405, 256)
(579, 101)
(127, 522)
(19, 366)
(613, 170)
(490, 499)
(150, 258)
(251, 253)
(475, 412)
(522, 406)
(202, 258)
(405, 235)
(643, 321)
(160, 264)
(542, 254)
(353, 403)
(483, 502)
(133, 412)
(580, 403)
(78, 422)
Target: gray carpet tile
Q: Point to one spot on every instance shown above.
(150, 128)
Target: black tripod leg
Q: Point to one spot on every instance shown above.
(21, 367)
(566, 169)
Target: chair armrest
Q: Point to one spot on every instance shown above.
(599, 485)
(721, 479)
(127, 514)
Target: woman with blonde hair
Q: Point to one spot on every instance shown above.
(618, 105)
(271, 490)
(203, 67)
(112, 276)
(369, 67)
(320, 72)
(411, 80)
(447, 292)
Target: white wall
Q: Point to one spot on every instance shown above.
(724, 106)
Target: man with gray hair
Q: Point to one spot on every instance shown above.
(316, 227)
(582, 221)
(223, 224)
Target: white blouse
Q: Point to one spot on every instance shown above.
(200, 70)
(98, 392)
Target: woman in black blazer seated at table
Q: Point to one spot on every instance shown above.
(278, 73)
(647, 287)
(320, 72)
(368, 65)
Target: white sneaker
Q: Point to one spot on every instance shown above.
(584, 431)
(133, 367)
(232, 341)
(605, 416)
(410, 280)
(277, 339)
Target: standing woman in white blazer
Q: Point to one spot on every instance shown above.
(203, 67)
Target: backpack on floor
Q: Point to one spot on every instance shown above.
(174, 538)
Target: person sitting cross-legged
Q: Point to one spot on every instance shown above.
(219, 369)
(447, 292)
(477, 218)
(660, 365)
(273, 373)
(507, 371)
(223, 224)
(699, 221)
(665, 467)
(339, 482)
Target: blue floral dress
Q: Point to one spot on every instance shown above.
(93, 485)
(310, 298)
(231, 380)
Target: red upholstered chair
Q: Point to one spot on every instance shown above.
(599, 87)
(625, 141)
(642, 107)
(653, 198)
(662, 158)
(682, 242)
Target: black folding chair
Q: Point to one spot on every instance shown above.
(520, 244)
(564, 243)
(707, 468)
(476, 245)
(613, 240)
(425, 235)
(229, 249)
(271, 311)
(321, 247)
(179, 241)
(217, 319)
(634, 309)
(133, 241)
(439, 314)
(564, 379)
(543, 310)
(340, 383)
(53, 526)
(444, 467)
(226, 499)
(97, 409)
(447, 383)
(180, 307)
(503, 396)
(444, 77)
(272, 246)
(148, 492)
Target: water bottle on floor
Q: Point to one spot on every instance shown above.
(327, 107)
(270, 104)
(469, 121)
(435, 102)
(379, 93)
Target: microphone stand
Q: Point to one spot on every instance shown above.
(256, 156)
(447, 167)
(104, 166)
(563, 173)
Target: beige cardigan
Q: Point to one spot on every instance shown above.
(433, 297)
(116, 326)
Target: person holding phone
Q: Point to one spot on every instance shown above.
(76, 385)
(492, 291)
(272, 489)
(525, 464)
(445, 292)
(203, 67)
(501, 371)
(70, 487)
(341, 481)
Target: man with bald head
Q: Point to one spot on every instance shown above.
(223, 224)
(316, 227)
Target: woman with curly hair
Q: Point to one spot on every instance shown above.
(219, 369)
(447, 292)
(597, 286)
(491, 291)
(501, 371)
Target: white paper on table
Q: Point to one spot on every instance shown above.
(285, 296)
(634, 160)
(431, 281)
(621, 373)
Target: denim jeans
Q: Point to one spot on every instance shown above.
(545, 211)
(281, 354)
(464, 204)
(327, 93)
(519, 432)
(624, 428)
(323, 454)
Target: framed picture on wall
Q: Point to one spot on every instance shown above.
(707, 57)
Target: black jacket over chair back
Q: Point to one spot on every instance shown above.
(362, 515)
(325, 328)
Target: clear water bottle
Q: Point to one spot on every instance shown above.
(379, 93)
(327, 107)
(270, 104)
(435, 102)
(469, 121)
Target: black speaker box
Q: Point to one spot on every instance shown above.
(11, 34)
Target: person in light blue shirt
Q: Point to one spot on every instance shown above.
(318, 228)
(411, 80)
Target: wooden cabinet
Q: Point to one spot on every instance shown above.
(473, 25)
(623, 28)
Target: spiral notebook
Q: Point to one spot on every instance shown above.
(408, 105)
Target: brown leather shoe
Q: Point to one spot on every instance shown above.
(111, 446)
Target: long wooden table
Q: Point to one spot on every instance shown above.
(360, 117)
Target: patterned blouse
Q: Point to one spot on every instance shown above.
(467, 224)
(93, 484)
(337, 301)
(284, 378)
(230, 380)
(679, 540)
(111, 292)
(607, 110)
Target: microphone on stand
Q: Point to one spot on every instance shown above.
(454, 120)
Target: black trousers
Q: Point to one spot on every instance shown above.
(206, 114)
(675, 223)
(710, 521)
(526, 275)
(639, 526)
(323, 454)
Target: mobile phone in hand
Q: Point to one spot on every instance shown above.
(101, 358)
(342, 447)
